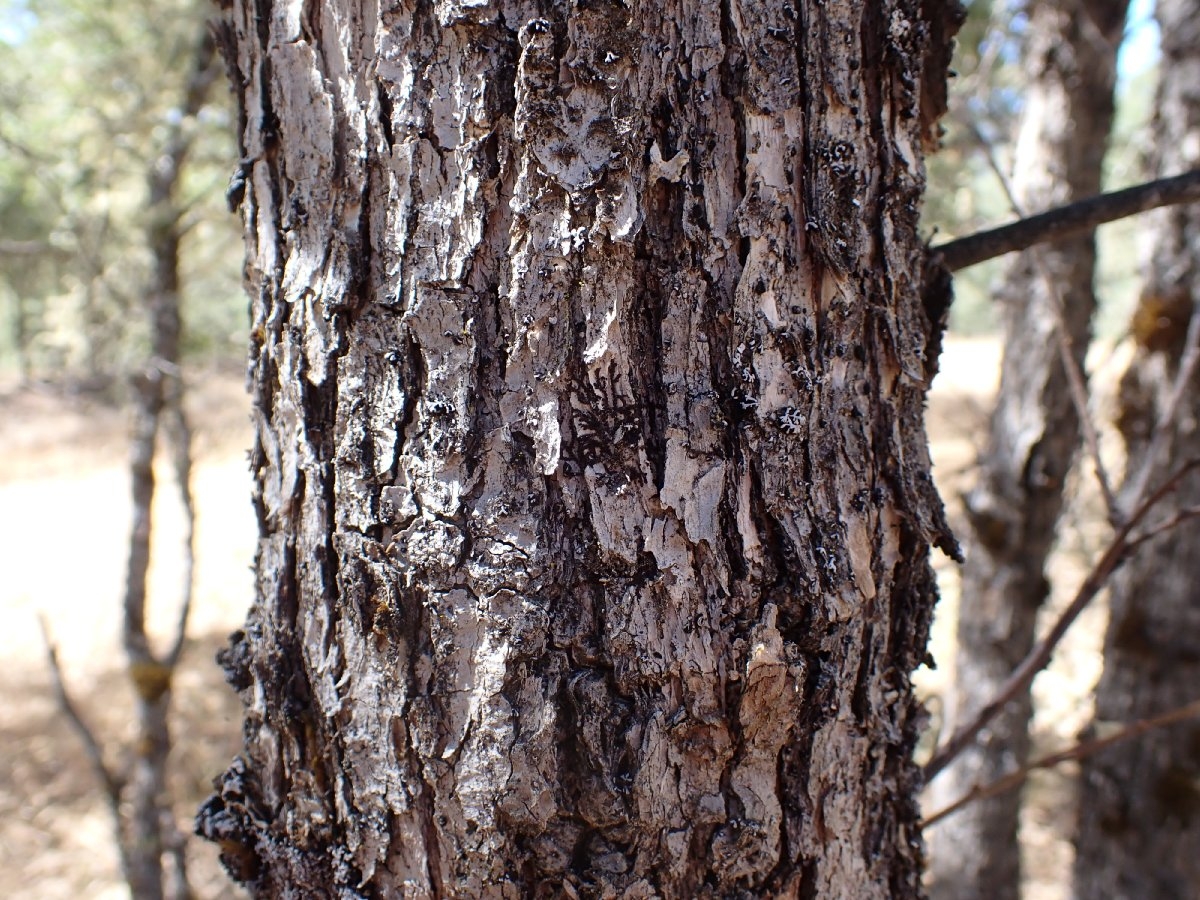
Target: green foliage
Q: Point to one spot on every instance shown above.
(88, 95)
(88, 92)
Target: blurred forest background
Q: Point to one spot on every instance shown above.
(89, 91)
(111, 143)
(88, 96)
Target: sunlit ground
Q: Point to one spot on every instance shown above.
(64, 492)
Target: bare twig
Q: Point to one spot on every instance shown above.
(1076, 382)
(1022, 676)
(1077, 385)
(1081, 750)
(1079, 394)
(1068, 221)
(989, 155)
(1178, 518)
(112, 784)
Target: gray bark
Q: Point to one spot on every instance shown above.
(1034, 432)
(589, 355)
(1139, 818)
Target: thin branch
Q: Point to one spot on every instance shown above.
(1022, 676)
(1068, 221)
(1079, 393)
(1178, 518)
(1076, 382)
(95, 755)
(147, 409)
(989, 155)
(160, 390)
(1081, 750)
(175, 878)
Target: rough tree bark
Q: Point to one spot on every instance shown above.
(589, 355)
(1139, 818)
(1013, 509)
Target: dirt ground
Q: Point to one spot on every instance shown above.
(64, 493)
(64, 496)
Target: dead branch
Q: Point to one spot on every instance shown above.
(1119, 548)
(1067, 221)
(112, 784)
(1179, 517)
(1079, 395)
(1079, 751)
(1076, 381)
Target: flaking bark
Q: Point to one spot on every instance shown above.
(595, 506)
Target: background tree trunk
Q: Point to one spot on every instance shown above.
(1013, 510)
(1139, 817)
(589, 355)
(150, 833)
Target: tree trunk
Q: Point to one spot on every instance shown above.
(589, 355)
(1139, 819)
(1013, 509)
(149, 831)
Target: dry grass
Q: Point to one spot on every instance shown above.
(64, 492)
